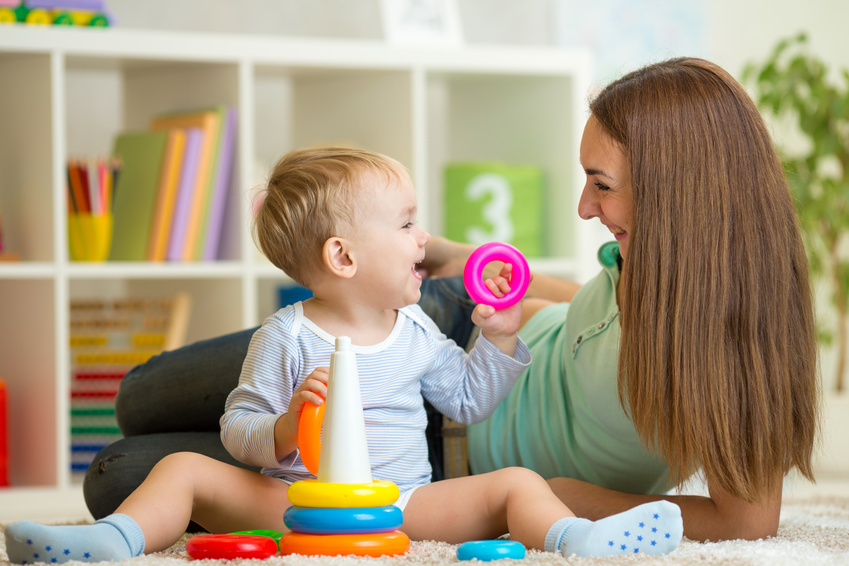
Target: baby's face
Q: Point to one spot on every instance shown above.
(389, 244)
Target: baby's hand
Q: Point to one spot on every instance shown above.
(499, 326)
(312, 390)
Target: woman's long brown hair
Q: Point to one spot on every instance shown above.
(718, 361)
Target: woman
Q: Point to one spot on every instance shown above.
(717, 361)
(692, 351)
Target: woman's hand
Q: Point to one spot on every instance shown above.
(312, 390)
(445, 258)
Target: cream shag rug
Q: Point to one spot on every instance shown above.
(812, 531)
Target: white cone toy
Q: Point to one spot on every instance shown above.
(344, 449)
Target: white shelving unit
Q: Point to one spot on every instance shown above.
(68, 91)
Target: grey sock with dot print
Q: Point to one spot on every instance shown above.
(112, 538)
(651, 528)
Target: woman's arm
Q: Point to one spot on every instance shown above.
(551, 289)
(719, 516)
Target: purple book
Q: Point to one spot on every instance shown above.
(185, 193)
(221, 188)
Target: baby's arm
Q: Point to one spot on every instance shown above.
(267, 388)
(312, 390)
(500, 326)
(468, 387)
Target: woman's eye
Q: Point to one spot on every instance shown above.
(602, 187)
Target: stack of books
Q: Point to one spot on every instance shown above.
(173, 187)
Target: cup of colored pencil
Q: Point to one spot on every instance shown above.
(91, 187)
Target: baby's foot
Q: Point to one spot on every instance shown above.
(113, 538)
(651, 528)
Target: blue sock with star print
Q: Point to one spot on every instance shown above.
(112, 538)
(651, 528)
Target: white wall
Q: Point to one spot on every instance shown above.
(735, 30)
(740, 30)
(484, 21)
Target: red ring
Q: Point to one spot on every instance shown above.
(230, 546)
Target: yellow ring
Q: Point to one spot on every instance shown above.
(312, 493)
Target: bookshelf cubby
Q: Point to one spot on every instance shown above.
(68, 92)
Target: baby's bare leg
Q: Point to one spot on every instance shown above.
(181, 487)
(220, 497)
(515, 500)
(485, 506)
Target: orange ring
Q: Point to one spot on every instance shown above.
(375, 544)
(309, 435)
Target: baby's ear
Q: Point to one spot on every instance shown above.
(337, 257)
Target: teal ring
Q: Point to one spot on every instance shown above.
(486, 550)
(342, 521)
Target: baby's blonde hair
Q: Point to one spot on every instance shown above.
(310, 197)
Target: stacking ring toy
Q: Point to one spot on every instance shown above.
(228, 547)
(338, 521)
(473, 274)
(486, 550)
(310, 493)
(262, 533)
(309, 435)
(377, 544)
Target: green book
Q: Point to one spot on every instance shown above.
(493, 201)
(141, 157)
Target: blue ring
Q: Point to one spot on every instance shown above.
(486, 550)
(342, 521)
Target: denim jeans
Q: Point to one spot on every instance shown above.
(173, 402)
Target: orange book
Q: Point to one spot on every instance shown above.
(210, 122)
(168, 183)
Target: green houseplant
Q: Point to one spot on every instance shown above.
(796, 88)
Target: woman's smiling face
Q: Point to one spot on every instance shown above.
(607, 193)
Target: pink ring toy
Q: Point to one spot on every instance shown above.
(473, 274)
